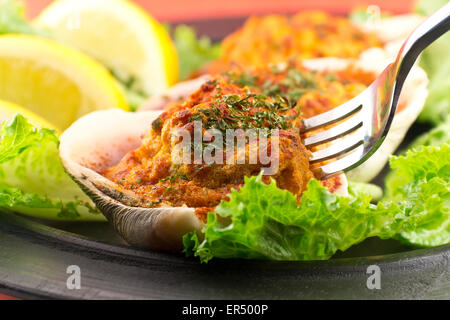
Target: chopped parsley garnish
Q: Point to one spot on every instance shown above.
(246, 79)
(172, 179)
(157, 124)
(295, 84)
(331, 77)
(237, 113)
(154, 203)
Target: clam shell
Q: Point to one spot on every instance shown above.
(100, 140)
(173, 94)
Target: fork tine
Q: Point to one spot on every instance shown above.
(337, 114)
(340, 130)
(339, 166)
(339, 147)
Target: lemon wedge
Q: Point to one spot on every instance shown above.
(56, 82)
(9, 110)
(120, 35)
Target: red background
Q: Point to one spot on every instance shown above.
(3, 297)
(176, 10)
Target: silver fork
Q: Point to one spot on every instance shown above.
(369, 115)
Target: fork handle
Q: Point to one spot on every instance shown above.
(429, 31)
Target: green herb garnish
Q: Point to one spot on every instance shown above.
(157, 124)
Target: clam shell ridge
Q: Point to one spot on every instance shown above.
(100, 140)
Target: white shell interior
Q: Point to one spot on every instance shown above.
(100, 140)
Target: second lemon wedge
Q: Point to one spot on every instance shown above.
(119, 34)
(54, 81)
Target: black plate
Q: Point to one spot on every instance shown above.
(34, 259)
(35, 254)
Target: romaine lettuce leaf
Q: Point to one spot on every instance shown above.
(32, 178)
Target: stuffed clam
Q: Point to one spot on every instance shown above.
(131, 165)
(154, 192)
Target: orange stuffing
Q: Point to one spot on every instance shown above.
(273, 98)
(275, 38)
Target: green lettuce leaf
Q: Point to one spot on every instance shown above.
(437, 137)
(437, 105)
(434, 61)
(359, 188)
(363, 15)
(193, 52)
(420, 184)
(428, 7)
(12, 19)
(135, 98)
(264, 222)
(32, 178)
